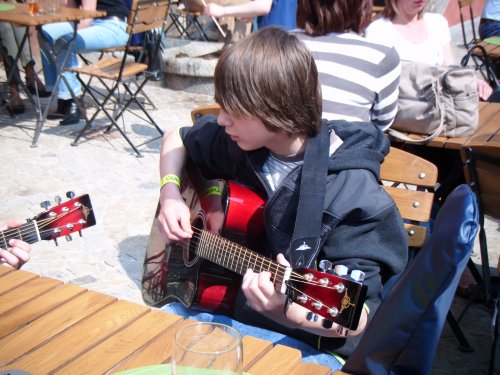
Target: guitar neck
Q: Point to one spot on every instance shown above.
(27, 232)
(237, 258)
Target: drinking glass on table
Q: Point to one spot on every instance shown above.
(209, 349)
(32, 6)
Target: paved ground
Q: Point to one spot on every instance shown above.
(124, 193)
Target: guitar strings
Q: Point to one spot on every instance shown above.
(245, 255)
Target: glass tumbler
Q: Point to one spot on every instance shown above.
(207, 348)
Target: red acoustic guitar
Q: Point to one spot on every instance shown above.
(191, 272)
(61, 220)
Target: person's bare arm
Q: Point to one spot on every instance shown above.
(174, 214)
(87, 5)
(246, 10)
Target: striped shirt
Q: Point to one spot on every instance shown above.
(359, 78)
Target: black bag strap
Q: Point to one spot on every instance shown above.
(306, 239)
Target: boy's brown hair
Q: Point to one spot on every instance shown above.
(270, 75)
(320, 17)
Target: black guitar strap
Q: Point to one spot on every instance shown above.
(306, 240)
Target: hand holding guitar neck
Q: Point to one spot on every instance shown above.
(14, 252)
(72, 216)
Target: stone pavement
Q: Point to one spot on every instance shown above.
(124, 193)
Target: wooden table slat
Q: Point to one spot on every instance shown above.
(5, 270)
(19, 296)
(489, 125)
(80, 337)
(311, 369)
(109, 353)
(36, 307)
(14, 279)
(279, 360)
(156, 352)
(29, 336)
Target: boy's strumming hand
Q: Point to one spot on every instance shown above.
(174, 216)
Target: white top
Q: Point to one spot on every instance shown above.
(429, 51)
(491, 10)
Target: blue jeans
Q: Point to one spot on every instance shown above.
(489, 29)
(102, 34)
(309, 354)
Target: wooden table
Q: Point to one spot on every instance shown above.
(20, 16)
(489, 123)
(47, 326)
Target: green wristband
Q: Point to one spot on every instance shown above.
(170, 178)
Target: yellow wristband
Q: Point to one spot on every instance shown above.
(212, 190)
(170, 178)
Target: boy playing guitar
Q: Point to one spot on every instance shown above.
(323, 200)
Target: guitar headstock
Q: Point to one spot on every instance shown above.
(65, 218)
(338, 299)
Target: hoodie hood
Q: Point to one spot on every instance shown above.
(364, 147)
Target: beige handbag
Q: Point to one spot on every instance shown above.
(436, 100)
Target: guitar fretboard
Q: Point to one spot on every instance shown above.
(27, 232)
(235, 257)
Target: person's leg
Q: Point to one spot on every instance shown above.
(19, 32)
(51, 33)
(309, 354)
(487, 30)
(102, 34)
(8, 51)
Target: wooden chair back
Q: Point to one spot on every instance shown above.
(205, 109)
(147, 15)
(410, 181)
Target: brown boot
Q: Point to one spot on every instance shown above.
(15, 106)
(34, 83)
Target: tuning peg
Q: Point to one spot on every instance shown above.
(312, 316)
(358, 275)
(341, 270)
(57, 199)
(45, 204)
(327, 324)
(70, 194)
(55, 241)
(69, 238)
(325, 265)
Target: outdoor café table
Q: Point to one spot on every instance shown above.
(18, 14)
(47, 326)
(450, 148)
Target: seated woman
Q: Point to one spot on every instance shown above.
(359, 78)
(417, 35)
(93, 35)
